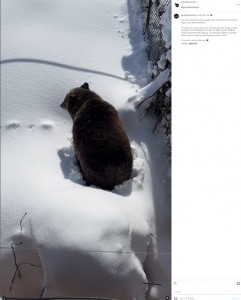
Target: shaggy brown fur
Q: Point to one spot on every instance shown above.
(101, 144)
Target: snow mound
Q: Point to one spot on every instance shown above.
(71, 170)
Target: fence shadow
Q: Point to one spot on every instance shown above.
(59, 65)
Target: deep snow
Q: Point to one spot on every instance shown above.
(82, 241)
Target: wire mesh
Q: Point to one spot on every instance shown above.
(152, 11)
(160, 103)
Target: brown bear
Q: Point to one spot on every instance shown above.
(101, 145)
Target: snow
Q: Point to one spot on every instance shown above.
(150, 68)
(78, 241)
(151, 88)
(162, 61)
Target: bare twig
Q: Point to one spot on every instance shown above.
(22, 221)
(155, 127)
(154, 237)
(15, 261)
(18, 265)
(145, 100)
(17, 270)
(42, 292)
(151, 283)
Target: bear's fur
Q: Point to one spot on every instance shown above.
(101, 144)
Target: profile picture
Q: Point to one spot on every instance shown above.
(176, 16)
(176, 4)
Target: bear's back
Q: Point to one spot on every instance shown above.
(101, 144)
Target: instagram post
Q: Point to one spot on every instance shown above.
(120, 150)
(85, 149)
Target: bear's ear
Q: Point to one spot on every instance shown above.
(85, 86)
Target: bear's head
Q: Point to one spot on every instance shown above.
(75, 99)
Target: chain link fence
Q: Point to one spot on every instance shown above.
(152, 11)
(160, 102)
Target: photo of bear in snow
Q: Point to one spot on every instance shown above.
(100, 142)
